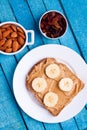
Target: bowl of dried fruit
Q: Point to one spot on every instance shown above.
(14, 37)
(53, 24)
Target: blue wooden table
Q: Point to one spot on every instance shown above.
(27, 13)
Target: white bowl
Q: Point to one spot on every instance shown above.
(26, 37)
(63, 18)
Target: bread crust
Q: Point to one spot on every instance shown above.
(38, 70)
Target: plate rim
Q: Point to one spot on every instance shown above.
(30, 52)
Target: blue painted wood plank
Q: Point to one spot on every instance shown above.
(37, 10)
(8, 64)
(81, 119)
(67, 39)
(24, 16)
(5, 11)
(86, 106)
(54, 126)
(9, 115)
(78, 21)
(33, 124)
(7, 14)
(19, 55)
(69, 125)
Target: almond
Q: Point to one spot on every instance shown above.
(3, 29)
(14, 39)
(20, 30)
(19, 46)
(2, 42)
(14, 27)
(21, 40)
(14, 34)
(8, 50)
(5, 26)
(2, 48)
(6, 33)
(15, 46)
(22, 35)
(8, 43)
(9, 28)
(8, 37)
(0, 34)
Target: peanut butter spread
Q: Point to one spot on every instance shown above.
(64, 97)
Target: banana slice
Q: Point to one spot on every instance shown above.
(52, 70)
(66, 84)
(50, 99)
(39, 84)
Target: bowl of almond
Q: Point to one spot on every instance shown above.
(13, 38)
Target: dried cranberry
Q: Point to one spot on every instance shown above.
(53, 24)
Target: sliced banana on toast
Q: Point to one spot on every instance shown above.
(52, 70)
(39, 84)
(53, 84)
(50, 99)
(66, 84)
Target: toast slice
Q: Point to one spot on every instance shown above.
(53, 84)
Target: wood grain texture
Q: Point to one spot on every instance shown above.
(55, 126)
(27, 19)
(69, 125)
(37, 10)
(33, 124)
(9, 115)
(8, 64)
(6, 13)
(81, 119)
(77, 16)
(67, 39)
